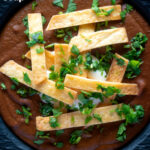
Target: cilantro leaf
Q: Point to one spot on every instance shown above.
(121, 135)
(26, 78)
(113, 2)
(54, 122)
(53, 75)
(40, 50)
(71, 6)
(88, 119)
(38, 142)
(46, 109)
(59, 132)
(75, 137)
(56, 112)
(95, 7)
(98, 117)
(71, 96)
(58, 3)
(59, 85)
(3, 86)
(75, 50)
(34, 4)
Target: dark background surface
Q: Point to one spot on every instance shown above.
(8, 141)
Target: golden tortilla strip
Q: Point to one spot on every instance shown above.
(115, 74)
(84, 29)
(107, 114)
(49, 58)
(99, 39)
(12, 69)
(38, 60)
(82, 17)
(81, 83)
(61, 55)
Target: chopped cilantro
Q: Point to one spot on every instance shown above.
(128, 9)
(53, 75)
(3, 86)
(39, 50)
(27, 66)
(88, 119)
(36, 37)
(46, 109)
(71, 6)
(56, 112)
(120, 61)
(15, 81)
(59, 132)
(75, 50)
(71, 96)
(98, 117)
(39, 142)
(59, 144)
(75, 137)
(59, 85)
(121, 135)
(53, 122)
(13, 87)
(34, 4)
(113, 2)
(47, 99)
(88, 40)
(22, 92)
(25, 112)
(26, 78)
(52, 68)
(72, 119)
(58, 3)
(50, 46)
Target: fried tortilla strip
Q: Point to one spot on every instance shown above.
(12, 69)
(49, 58)
(38, 60)
(81, 83)
(61, 55)
(99, 39)
(83, 17)
(107, 114)
(115, 74)
(83, 30)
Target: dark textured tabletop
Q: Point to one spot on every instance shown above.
(8, 141)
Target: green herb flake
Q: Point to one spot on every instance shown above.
(88, 119)
(71, 6)
(53, 75)
(58, 3)
(59, 85)
(113, 2)
(39, 50)
(34, 4)
(38, 142)
(71, 96)
(75, 50)
(59, 132)
(50, 46)
(98, 117)
(56, 112)
(26, 78)
(75, 137)
(59, 144)
(72, 119)
(87, 40)
(3, 86)
(54, 122)
(52, 68)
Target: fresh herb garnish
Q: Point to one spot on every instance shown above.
(54, 122)
(58, 3)
(98, 117)
(59, 144)
(34, 4)
(39, 142)
(137, 47)
(88, 119)
(71, 6)
(128, 9)
(39, 50)
(46, 109)
(59, 84)
(88, 40)
(3, 86)
(72, 119)
(53, 75)
(52, 68)
(50, 46)
(120, 61)
(26, 78)
(113, 2)
(25, 112)
(59, 132)
(71, 96)
(56, 112)
(75, 137)
(75, 50)
(36, 37)
(131, 115)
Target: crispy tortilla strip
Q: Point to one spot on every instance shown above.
(107, 113)
(49, 58)
(99, 39)
(81, 83)
(12, 69)
(116, 72)
(38, 60)
(84, 29)
(83, 17)
(61, 55)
